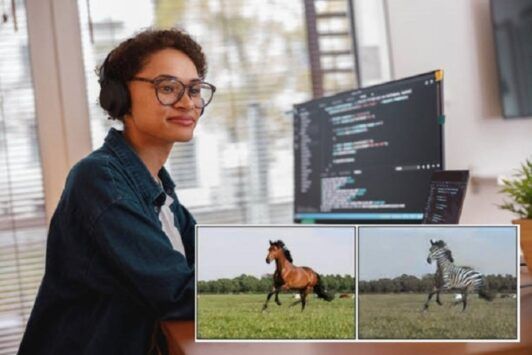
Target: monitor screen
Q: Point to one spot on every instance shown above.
(367, 155)
(446, 197)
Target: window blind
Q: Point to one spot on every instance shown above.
(22, 214)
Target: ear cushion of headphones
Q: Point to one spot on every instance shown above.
(114, 98)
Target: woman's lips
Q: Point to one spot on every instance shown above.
(181, 120)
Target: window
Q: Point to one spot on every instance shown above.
(22, 214)
(239, 167)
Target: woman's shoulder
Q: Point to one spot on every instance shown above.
(96, 181)
(99, 167)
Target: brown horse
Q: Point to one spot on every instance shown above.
(287, 276)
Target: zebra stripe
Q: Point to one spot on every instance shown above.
(455, 276)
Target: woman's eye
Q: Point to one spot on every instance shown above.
(167, 89)
(194, 91)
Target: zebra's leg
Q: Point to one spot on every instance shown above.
(268, 298)
(461, 300)
(464, 300)
(438, 298)
(429, 297)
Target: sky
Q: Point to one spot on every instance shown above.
(227, 252)
(393, 251)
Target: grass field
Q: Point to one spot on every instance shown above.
(399, 317)
(240, 317)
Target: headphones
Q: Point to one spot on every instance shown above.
(114, 95)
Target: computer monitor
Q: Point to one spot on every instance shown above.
(367, 155)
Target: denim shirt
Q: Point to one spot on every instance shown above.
(111, 273)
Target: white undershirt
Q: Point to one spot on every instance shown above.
(167, 219)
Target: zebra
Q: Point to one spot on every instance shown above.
(449, 276)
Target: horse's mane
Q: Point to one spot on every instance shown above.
(279, 243)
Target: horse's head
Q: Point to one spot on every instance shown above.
(438, 249)
(274, 251)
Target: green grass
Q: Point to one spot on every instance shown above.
(399, 316)
(241, 317)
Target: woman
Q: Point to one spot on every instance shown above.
(120, 253)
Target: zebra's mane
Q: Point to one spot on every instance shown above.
(279, 243)
(449, 255)
(439, 243)
(446, 251)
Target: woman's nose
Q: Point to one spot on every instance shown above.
(185, 102)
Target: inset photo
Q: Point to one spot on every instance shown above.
(275, 282)
(452, 282)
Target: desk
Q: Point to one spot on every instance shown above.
(180, 337)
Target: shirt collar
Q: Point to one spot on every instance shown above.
(151, 191)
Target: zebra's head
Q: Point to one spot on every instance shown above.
(438, 251)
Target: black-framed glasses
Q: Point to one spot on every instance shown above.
(169, 90)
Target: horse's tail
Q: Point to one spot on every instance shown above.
(320, 290)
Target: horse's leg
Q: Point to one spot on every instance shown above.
(296, 302)
(429, 297)
(304, 297)
(268, 298)
(277, 283)
(299, 300)
(277, 297)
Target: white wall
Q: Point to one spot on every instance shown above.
(456, 36)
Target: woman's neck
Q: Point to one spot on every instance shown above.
(152, 152)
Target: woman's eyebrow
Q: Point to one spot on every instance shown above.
(168, 76)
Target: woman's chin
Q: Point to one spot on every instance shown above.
(182, 136)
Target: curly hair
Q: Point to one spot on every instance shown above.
(130, 56)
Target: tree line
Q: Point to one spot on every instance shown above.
(410, 283)
(346, 284)
(251, 284)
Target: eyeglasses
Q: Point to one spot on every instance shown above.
(170, 90)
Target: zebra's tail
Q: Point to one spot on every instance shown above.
(485, 294)
(320, 290)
